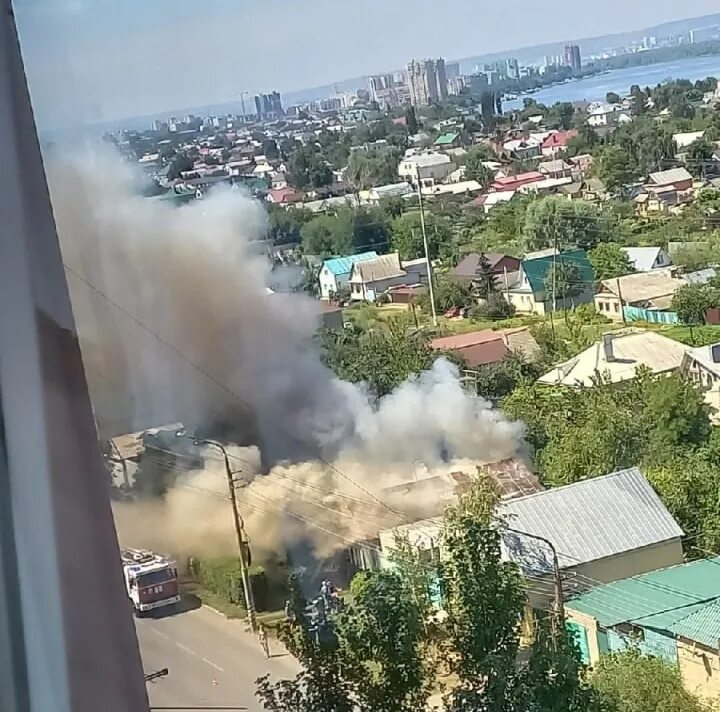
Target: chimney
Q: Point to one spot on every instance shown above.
(715, 353)
(607, 340)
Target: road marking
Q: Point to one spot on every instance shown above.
(160, 633)
(212, 664)
(186, 649)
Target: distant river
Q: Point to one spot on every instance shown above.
(620, 80)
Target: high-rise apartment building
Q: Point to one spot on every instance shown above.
(572, 58)
(452, 70)
(512, 68)
(427, 81)
(379, 84)
(268, 106)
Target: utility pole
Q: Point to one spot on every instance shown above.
(239, 536)
(622, 308)
(558, 620)
(554, 285)
(425, 244)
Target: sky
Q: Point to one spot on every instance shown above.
(99, 60)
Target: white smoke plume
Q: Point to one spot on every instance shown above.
(176, 324)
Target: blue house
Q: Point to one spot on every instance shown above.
(335, 272)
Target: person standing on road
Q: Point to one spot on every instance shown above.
(263, 638)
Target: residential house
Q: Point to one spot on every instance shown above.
(702, 366)
(479, 348)
(468, 269)
(646, 259)
(431, 167)
(550, 186)
(528, 293)
(672, 613)
(488, 201)
(617, 358)
(686, 139)
(285, 196)
(608, 115)
(642, 295)
(447, 140)
(677, 178)
(335, 273)
(370, 278)
(556, 143)
(431, 495)
(557, 168)
(466, 187)
(522, 149)
(393, 190)
(581, 163)
(512, 183)
(601, 529)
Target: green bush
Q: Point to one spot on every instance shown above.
(222, 577)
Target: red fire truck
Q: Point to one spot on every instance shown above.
(150, 580)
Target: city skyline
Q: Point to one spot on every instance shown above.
(167, 56)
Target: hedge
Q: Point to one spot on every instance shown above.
(222, 577)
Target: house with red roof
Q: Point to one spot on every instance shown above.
(285, 196)
(480, 348)
(516, 182)
(557, 142)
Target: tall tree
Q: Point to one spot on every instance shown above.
(484, 599)
(632, 682)
(485, 284)
(563, 281)
(380, 636)
(609, 260)
(566, 223)
(321, 684)
(615, 168)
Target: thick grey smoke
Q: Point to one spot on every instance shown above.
(176, 324)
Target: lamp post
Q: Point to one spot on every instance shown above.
(239, 530)
(559, 606)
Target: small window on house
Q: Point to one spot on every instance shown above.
(617, 307)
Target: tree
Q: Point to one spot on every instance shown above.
(497, 380)
(634, 683)
(181, 163)
(367, 169)
(383, 357)
(380, 637)
(319, 238)
(411, 122)
(614, 167)
(486, 282)
(320, 685)
(450, 293)
(691, 302)
(612, 98)
(609, 260)
(563, 281)
(407, 236)
(270, 149)
(699, 155)
(285, 224)
(555, 221)
(484, 600)
(475, 169)
(307, 168)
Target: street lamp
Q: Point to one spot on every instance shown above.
(559, 617)
(239, 528)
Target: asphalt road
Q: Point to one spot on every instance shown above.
(211, 661)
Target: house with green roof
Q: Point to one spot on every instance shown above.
(671, 613)
(528, 288)
(451, 139)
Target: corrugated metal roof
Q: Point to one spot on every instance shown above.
(673, 175)
(537, 269)
(702, 626)
(377, 269)
(632, 348)
(588, 520)
(343, 265)
(681, 599)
